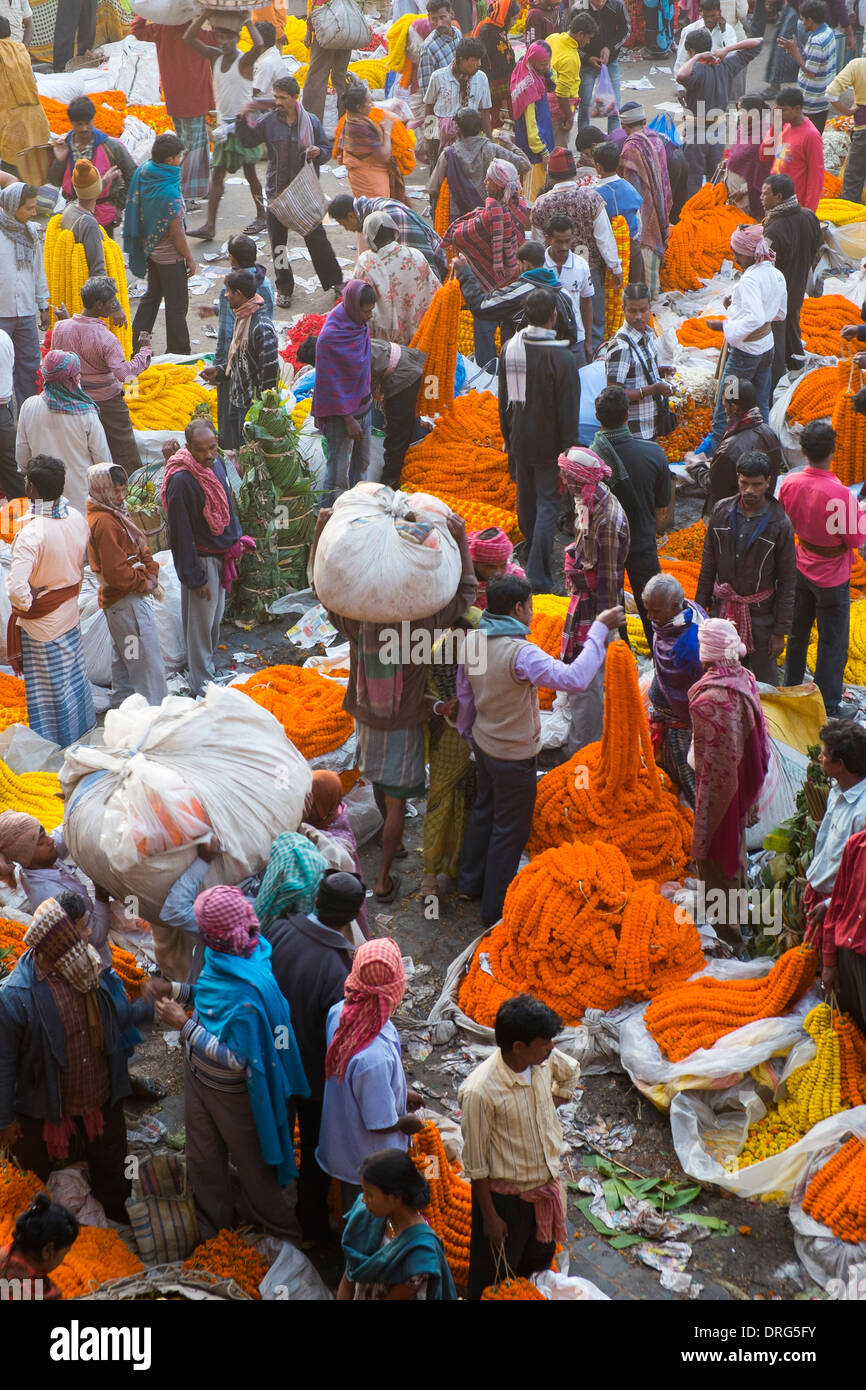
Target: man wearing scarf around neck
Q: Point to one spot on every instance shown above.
(506, 308)
(205, 539)
(745, 432)
(539, 409)
(23, 286)
(154, 238)
(794, 233)
(60, 1003)
(62, 419)
(497, 706)
(252, 365)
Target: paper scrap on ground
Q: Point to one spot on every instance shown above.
(640, 84)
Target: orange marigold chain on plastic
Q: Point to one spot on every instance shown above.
(613, 790)
(695, 1015)
(613, 311)
(697, 333)
(579, 932)
(307, 704)
(836, 1196)
(701, 240)
(815, 394)
(821, 322)
(511, 1290)
(230, 1257)
(549, 612)
(462, 455)
(480, 515)
(436, 335)
(694, 419)
(450, 1209)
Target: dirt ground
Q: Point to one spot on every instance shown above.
(760, 1264)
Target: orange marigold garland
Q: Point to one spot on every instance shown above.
(511, 1290)
(96, 1257)
(480, 515)
(832, 185)
(462, 455)
(579, 932)
(814, 396)
(850, 428)
(307, 704)
(687, 544)
(228, 1256)
(689, 1016)
(697, 333)
(549, 612)
(442, 219)
(436, 335)
(125, 965)
(613, 790)
(402, 140)
(18, 1187)
(701, 240)
(450, 1208)
(613, 310)
(694, 418)
(836, 1195)
(821, 322)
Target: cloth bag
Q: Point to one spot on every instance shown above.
(339, 24)
(302, 205)
(161, 1211)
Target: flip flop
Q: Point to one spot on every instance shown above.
(202, 234)
(395, 880)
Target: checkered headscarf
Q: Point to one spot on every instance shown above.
(226, 920)
(373, 990)
(58, 948)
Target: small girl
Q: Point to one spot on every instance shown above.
(44, 1234)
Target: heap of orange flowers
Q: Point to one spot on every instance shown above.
(96, 1257)
(13, 701)
(822, 321)
(228, 1256)
(480, 515)
(436, 335)
(701, 240)
(832, 185)
(850, 428)
(579, 932)
(511, 1289)
(548, 619)
(111, 111)
(307, 704)
(814, 396)
(18, 1187)
(613, 790)
(450, 1209)
(462, 455)
(12, 948)
(687, 544)
(698, 333)
(686, 571)
(124, 964)
(836, 1196)
(694, 419)
(695, 1015)
(402, 140)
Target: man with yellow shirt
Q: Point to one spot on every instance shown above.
(565, 59)
(852, 77)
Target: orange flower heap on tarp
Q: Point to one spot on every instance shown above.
(822, 321)
(850, 427)
(814, 396)
(109, 118)
(308, 705)
(687, 544)
(228, 1256)
(579, 932)
(690, 1016)
(836, 1195)
(462, 455)
(97, 1257)
(613, 790)
(436, 335)
(450, 1209)
(701, 240)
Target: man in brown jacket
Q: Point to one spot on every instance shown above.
(748, 570)
(390, 712)
(745, 432)
(127, 573)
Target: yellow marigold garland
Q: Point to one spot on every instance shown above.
(66, 271)
(839, 211)
(548, 620)
(613, 790)
(307, 704)
(164, 396)
(37, 793)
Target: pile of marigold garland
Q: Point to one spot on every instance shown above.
(701, 240)
(579, 932)
(165, 395)
(228, 1256)
(437, 335)
(462, 455)
(836, 1195)
(548, 620)
(37, 793)
(450, 1208)
(307, 704)
(613, 790)
(13, 946)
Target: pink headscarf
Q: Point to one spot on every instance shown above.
(749, 240)
(527, 85)
(226, 920)
(373, 990)
(502, 174)
(490, 547)
(718, 640)
(582, 470)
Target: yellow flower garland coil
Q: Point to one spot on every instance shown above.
(66, 271)
(36, 793)
(164, 396)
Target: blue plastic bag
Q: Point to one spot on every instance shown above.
(663, 124)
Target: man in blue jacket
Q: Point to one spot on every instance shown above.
(63, 1068)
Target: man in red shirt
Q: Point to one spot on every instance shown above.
(800, 151)
(827, 521)
(186, 78)
(843, 947)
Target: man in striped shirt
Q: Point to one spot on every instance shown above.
(439, 47)
(412, 230)
(816, 61)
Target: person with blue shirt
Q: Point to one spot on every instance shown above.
(621, 199)
(242, 253)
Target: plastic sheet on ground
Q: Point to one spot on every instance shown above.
(561, 1287)
(594, 1043)
(23, 750)
(291, 1277)
(714, 1068)
(824, 1256)
(709, 1131)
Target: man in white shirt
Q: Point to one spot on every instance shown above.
(11, 481)
(711, 18)
(45, 574)
(271, 64)
(759, 298)
(20, 17)
(572, 272)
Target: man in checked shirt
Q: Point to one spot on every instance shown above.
(512, 1144)
(631, 362)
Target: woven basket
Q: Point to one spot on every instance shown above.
(169, 1282)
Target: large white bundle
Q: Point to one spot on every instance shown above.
(368, 565)
(231, 760)
(166, 11)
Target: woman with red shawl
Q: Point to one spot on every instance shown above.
(644, 163)
(730, 755)
(533, 122)
(498, 61)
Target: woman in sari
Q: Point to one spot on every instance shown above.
(730, 754)
(401, 277)
(325, 813)
(533, 122)
(677, 666)
(392, 1254)
(745, 166)
(364, 147)
(498, 62)
(644, 163)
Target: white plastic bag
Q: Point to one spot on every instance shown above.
(839, 1266)
(291, 1277)
(370, 568)
(165, 11)
(234, 756)
(96, 641)
(167, 613)
(778, 796)
(152, 810)
(559, 1287)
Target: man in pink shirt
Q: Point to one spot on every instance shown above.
(827, 521)
(104, 369)
(800, 151)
